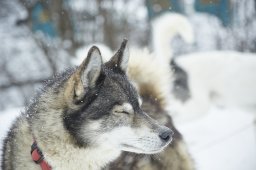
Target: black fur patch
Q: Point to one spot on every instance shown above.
(180, 85)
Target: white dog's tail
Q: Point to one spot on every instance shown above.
(165, 27)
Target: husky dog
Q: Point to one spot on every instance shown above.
(84, 118)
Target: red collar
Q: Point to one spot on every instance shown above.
(38, 157)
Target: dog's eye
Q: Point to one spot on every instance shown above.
(122, 112)
(125, 112)
(125, 108)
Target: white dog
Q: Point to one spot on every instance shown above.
(224, 78)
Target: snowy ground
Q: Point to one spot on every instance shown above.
(223, 139)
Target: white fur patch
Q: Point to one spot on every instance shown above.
(138, 140)
(125, 59)
(93, 68)
(140, 101)
(94, 125)
(125, 107)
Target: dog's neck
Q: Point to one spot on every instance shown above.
(57, 151)
(80, 158)
(61, 151)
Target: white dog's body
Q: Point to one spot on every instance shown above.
(221, 78)
(227, 76)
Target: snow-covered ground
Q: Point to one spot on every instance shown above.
(6, 119)
(222, 139)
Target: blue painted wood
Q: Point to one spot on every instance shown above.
(41, 21)
(219, 8)
(156, 7)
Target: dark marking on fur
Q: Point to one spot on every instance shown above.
(180, 85)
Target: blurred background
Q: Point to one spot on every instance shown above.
(41, 37)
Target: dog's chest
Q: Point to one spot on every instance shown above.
(90, 159)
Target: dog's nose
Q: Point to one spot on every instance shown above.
(166, 135)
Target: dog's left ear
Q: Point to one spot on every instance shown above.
(121, 57)
(85, 76)
(90, 68)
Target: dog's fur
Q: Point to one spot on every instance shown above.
(83, 119)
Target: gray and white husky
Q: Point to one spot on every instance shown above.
(84, 118)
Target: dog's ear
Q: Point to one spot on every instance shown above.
(121, 57)
(86, 75)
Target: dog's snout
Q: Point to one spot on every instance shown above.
(166, 135)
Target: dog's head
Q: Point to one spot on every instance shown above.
(104, 108)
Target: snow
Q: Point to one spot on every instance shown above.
(6, 119)
(21, 58)
(223, 138)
